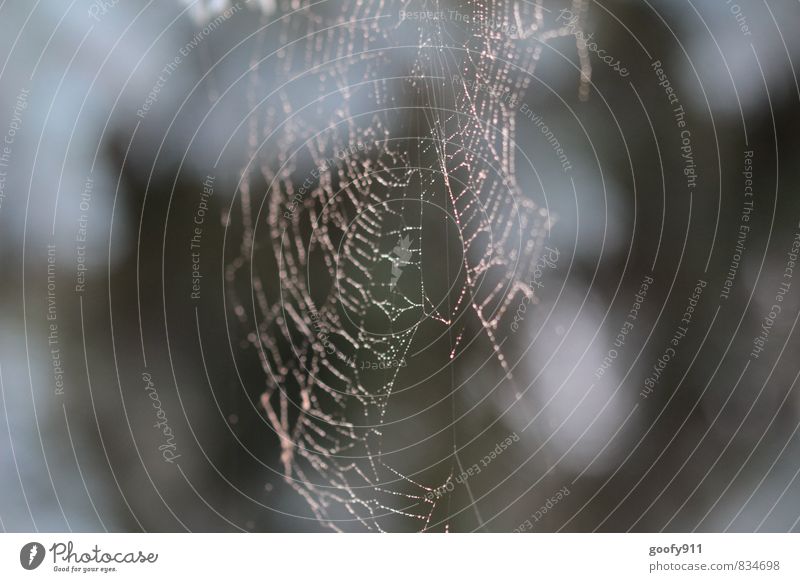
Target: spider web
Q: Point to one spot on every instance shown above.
(383, 130)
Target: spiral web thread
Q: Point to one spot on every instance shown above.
(335, 192)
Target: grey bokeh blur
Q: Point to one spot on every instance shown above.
(646, 384)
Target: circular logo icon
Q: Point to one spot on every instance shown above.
(31, 555)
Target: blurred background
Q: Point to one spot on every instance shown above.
(399, 266)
